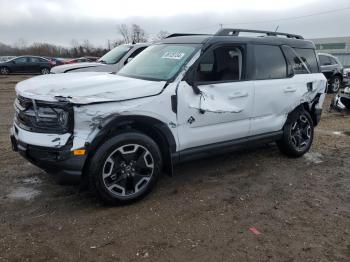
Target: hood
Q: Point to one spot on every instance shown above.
(87, 87)
(68, 67)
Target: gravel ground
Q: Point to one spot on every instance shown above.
(254, 205)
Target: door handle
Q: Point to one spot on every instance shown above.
(238, 95)
(289, 89)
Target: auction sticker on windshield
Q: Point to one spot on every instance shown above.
(173, 55)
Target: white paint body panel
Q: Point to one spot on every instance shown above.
(89, 87)
(40, 139)
(275, 98)
(227, 108)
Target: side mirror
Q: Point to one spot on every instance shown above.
(190, 80)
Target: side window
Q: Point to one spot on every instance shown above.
(295, 64)
(324, 60)
(21, 60)
(269, 62)
(333, 61)
(134, 54)
(221, 64)
(34, 60)
(309, 58)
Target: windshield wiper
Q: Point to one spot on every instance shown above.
(102, 61)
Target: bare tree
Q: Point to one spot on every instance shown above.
(137, 34)
(124, 31)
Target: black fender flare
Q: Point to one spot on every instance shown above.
(156, 129)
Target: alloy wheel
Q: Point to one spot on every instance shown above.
(301, 133)
(128, 170)
(45, 71)
(336, 84)
(4, 71)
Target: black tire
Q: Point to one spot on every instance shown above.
(125, 170)
(4, 70)
(335, 84)
(298, 133)
(45, 71)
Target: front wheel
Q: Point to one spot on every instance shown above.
(298, 134)
(125, 168)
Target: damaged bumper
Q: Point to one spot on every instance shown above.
(59, 161)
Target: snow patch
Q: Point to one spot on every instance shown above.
(23, 193)
(314, 158)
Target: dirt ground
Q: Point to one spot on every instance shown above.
(300, 207)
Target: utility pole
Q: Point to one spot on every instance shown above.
(220, 25)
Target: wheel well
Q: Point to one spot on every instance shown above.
(339, 75)
(151, 127)
(311, 110)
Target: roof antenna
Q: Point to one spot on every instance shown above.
(277, 28)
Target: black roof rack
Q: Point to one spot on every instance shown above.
(235, 32)
(183, 34)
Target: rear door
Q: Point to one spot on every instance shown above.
(33, 65)
(223, 109)
(285, 78)
(276, 93)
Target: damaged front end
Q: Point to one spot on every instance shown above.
(43, 134)
(44, 117)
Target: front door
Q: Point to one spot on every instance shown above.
(222, 110)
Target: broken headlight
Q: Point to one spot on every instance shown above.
(44, 117)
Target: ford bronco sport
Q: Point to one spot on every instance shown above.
(184, 97)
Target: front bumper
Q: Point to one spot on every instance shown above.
(60, 162)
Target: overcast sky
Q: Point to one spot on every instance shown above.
(60, 21)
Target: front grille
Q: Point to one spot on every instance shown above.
(43, 117)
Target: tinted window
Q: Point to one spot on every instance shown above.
(295, 64)
(35, 60)
(21, 60)
(333, 61)
(135, 53)
(269, 62)
(309, 58)
(324, 60)
(220, 64)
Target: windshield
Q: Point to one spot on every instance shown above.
(115, 54)
(159, 62)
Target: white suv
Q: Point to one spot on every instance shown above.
(113, 61)
(186, 96)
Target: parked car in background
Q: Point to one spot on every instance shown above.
(82, 60)
(333, 71)
(27, 65)
(346, 77)
(56, 61)
(113, 61)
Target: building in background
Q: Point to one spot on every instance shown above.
(337, 46)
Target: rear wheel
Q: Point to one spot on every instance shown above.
(45, 71)
(298, 133)
(335, 84)
(4, 71)
(125, 168)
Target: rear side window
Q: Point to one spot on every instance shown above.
(296, 66)
(309, 58)
(269, 62)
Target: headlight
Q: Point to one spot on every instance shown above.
(39, 116)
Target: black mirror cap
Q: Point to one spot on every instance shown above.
(190, 80)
